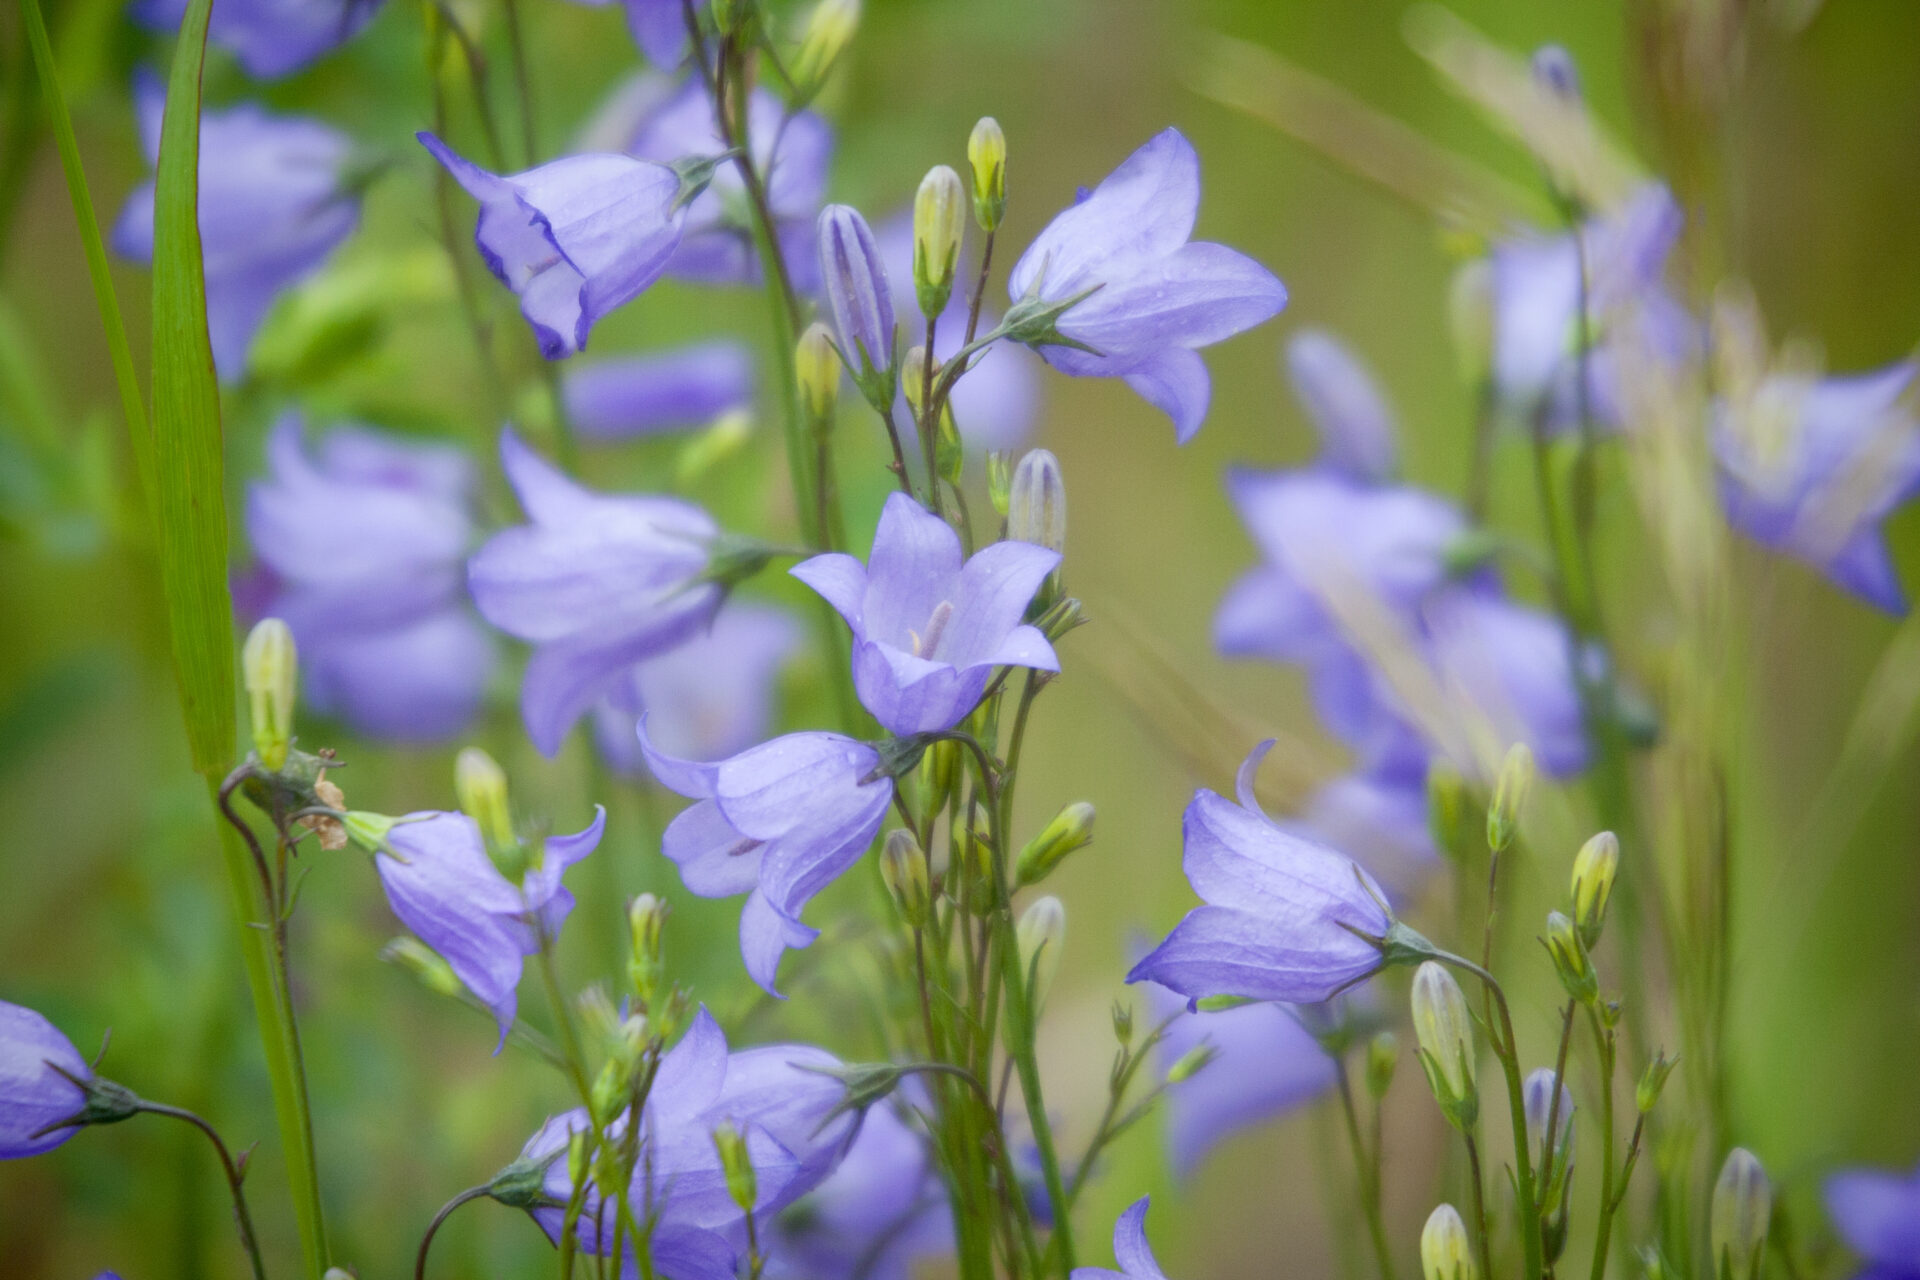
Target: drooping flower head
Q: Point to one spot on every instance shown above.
(1130, 1250)
(618, 399)
(445, 886)
(272, 207)
(364, 539)
(271, 38)
(574, 238)
(1877, 1216)
(33, 1094)
(1285, 919)
(596, 583)
(778, 822)
(1155, 298)
(930, 624)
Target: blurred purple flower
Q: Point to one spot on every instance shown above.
(659, 120)
(659, 27)
(272, 208)
(883, 1209)
(1130, 1250)
(271, 38)
(1157, 298)
(778, 822)
(1286, 919)
(1811, 469)
(1877, 1215)
(364, 543)
(1266, 1063)
(1353, 418)
(595, 583)
(929, 629)
(661, 391)
(574, 238)
(709, 697)
(33, 1094)
(1379, 819)
(443, 885)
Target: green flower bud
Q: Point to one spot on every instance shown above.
(737, 1164)
(816, 366)
(949, 454)
(1742, 1208)
(480, 788)
(1593, 870)
(913, 379)
(1000, 480)
(1037, 502)
(1041, 934)
(646, 967)
(987, 154)
(1570, 959)
(829, 30)
(939, 217)
(1444, 1031)
(1123, 1023)
(1646, 1094)
(903, 866)
(1509, 796)
(1191, 1063)
(270, 670)
(1445, 1251)
(579, 1142)
(424, 963)
(1383, 1057)
(1071, 828)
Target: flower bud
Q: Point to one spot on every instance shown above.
(1742, 1209)
(903, 866)
(337, 1273)
(987, 154)
(1593, 871)
(1037, 502)
(1570, 959)
(1445, 1251)
(914, 378)
(270, 670)
(1123, 1023)
(1553, 69)
(1445, 1035)
(854, 279)
(829, 30)
(999, 480)
(1646, 1094)
(1553, 1165)
(646, 969)
(578, 1152)
(1041, 935)
(1071, 828)
(737, 1164)
(949, 455)
(939, 217)
(424, 963)
(1192, 1063)
(1383, 1058)
(480, 788)
(1509, 796)
(817, 369)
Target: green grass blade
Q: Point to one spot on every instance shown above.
(131, 403)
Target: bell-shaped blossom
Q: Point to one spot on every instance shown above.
(574, 238)
(1536, 290)
(1156, 297)
(33, 1095)
(1266, 1062)
(778, 822)
(364, 541)
(1812, 469)
(1348, 410)
(618, 399)
(882, 1211)
(1286, 919)
(273, 205)
(929, 623)
(781, 1099)
(656, 118)
(859, 297)
(442, 883)
(271, 38)
(1130, 1250)
(997, 402)
(595, 583)
(1877, 1216)
(709, 697)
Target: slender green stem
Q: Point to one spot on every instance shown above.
(242, 1219)
(522, 82)
(563, 1018)
(1367, 1171)
(929, 420)
(1478, 1182)
(1603, 1044)
(1553, 1108)
(433, 1228)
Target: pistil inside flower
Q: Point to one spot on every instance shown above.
(924, 645)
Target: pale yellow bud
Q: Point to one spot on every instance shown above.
(270, 670)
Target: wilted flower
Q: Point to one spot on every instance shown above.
(272, 207)
(444, 885)
(595, 583)
(1877, 1215)
(364, 540)
(1811, 468)
(33, 1094)
(1286, 919)
(690, 386)
(574, 238)
(929, 624)
(1352, 417)
(778, 822)
(271, 38)
(1130, 1250)
(1148, 299)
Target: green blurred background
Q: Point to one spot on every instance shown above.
(111, 910)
